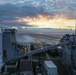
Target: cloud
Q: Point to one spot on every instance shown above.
(13, 10)
(9, 13)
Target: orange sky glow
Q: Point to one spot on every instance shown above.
(46, 21)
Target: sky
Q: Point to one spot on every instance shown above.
(38, 13)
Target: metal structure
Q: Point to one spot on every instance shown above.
(14, 51)
(69, 52)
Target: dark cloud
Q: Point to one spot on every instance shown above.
(10, 12)
(14, 12)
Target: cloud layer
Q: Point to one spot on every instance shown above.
(13, 10)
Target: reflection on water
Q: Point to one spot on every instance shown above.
(36, 38)
(25, 38)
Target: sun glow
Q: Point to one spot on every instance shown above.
(46, 21)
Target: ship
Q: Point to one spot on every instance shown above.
(37, 59)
